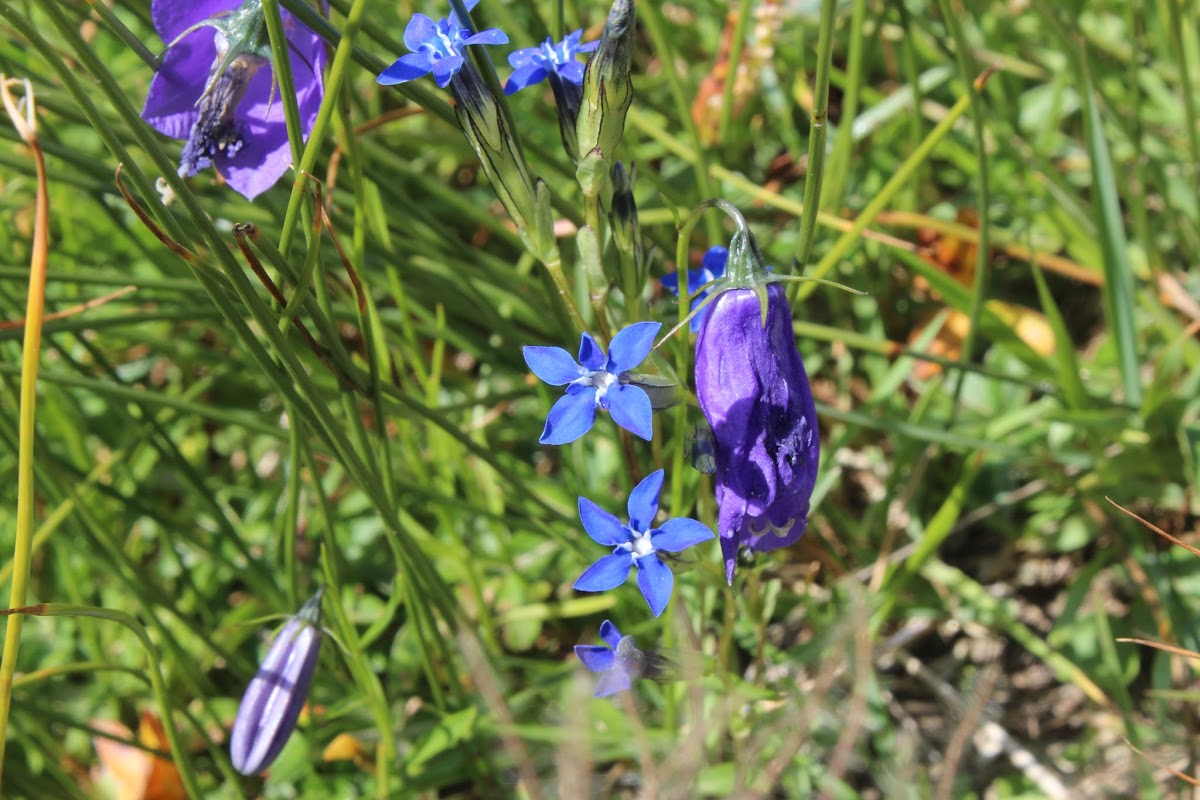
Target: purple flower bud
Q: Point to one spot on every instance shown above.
(269, 710)
(754, 392)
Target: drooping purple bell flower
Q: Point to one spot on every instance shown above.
(271, 706)
(213, 91)
(754, 392)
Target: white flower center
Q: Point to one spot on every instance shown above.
(601, 380)
(641, 546)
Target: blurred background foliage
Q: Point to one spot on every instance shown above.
(1025, 348)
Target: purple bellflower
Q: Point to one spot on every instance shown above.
(618, 661)
(637, 544)
(271, 706)
(596, 382)
(753, 390)
(554, 61)
(712, 266)
(213, 92)
(437, 47)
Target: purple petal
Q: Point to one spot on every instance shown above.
(171, 103)
(643, 501)
(631, 346)
(523, 76)
(406, 68)
(630, 408)
(656, 581)
(607, 573)
(600, 525)
(610, 634)
(172, 17)
(729, 550)
(595, 657)
(571, 417)
(552, 364)
(590, 354)
(613, 681)
(445, 68)
(490, 36)
(271, 706)
(680, 534)
(420, 29)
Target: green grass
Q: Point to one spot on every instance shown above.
(199, 466)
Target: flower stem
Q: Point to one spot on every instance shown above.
(26, 125)
(555, 268)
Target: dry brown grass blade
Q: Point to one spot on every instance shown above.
(1179, 651)
(152, 226)
(1181, 775)
(95, 302)
(1155, 528)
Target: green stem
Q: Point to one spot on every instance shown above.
(817, 133)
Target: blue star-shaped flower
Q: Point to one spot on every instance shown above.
(712, 266)
(535, 64)
(618, 661)
(437, 48)
(596, 382)
(637, 544)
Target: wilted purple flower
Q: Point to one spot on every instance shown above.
(212, 90)
(596, 382)
(535, 64)
(712, 266)
(269, 710)
(753, 390)
(437, 47)
(618, 661)
(637, 544)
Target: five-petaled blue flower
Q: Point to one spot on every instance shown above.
(535, 64)
(618, 661)
(637, 544)
(437, 47)
(712, 266)
(596, 382)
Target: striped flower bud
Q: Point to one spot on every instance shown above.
(271, 706)
(607, 94)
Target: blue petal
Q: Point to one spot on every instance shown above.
(595, 657)
(680, 534)
(571, 417)
(610, 634)
(552, 364)
(643, 501)
(714, 261)
(526, 75)
(607, 573)
(419, 31)
(587, 47)
(656, 581)
(445, 68)
(613, 681)
(571, 71)
(590, 354)
(631, 346)
(630, 408)
(490, 36)
(602, 526)
(670, 282)
(406, 68)
(519, 58)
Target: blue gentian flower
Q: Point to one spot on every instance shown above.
(618, 661)
(754, 392)
(437, 47)
(272, 703)
(213, 91)
(535, 64)
(596, 382)
(637, 544)
(712, 266)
